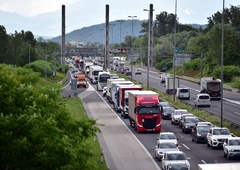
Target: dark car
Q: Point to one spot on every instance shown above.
(167, 112)
(199, 133)
(182, 118)
(189, 123)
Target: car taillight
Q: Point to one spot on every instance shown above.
(198, 100)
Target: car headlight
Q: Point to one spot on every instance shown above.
(231, 150)
(186, 126)
(214, 140)
(164, 114)
(199, 134)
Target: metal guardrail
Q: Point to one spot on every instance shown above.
(66, 79)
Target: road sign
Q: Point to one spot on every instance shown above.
(180, 59)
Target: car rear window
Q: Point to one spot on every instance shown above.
(203, 97)
(184, 90)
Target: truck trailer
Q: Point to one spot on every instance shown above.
(211, 86)
(169, 84)
(114, 89)
(118, 102)
(123, 98)
(109, 85)
(144, 111)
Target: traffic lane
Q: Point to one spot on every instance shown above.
(121, 148)
(231, 110)
(198, 153)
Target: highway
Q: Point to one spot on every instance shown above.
(231, 102)
(198, 153)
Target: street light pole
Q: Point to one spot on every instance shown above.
(120, 40)
(132, 45)
(222, 53)
(174, 53)
(150, 40)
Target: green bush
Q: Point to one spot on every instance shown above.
(43, 67)
(193, 64)
(229, 72)
(63, 67)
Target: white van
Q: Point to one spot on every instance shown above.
(183, 93)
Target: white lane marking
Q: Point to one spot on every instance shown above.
(203, 161)
(180, 135)
(237, 113)
(186, 146)
(145, 149)
(233, 101)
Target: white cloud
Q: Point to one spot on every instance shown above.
(32, 7)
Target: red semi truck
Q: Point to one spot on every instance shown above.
(144, 111)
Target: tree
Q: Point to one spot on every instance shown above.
(36, 131)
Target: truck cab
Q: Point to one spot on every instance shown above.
(144, 111)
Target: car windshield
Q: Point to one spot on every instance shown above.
(176, 156)
(180, 112)
(203, 128)
(169, 109)
(191, 120)
(149, 110)
(164, 104)
(221, 132)
(168, 145)
(167, 136)
(234, 142)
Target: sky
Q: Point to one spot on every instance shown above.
(188, 11)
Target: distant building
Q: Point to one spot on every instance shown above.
(77, 44)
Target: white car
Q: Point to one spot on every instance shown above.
(174, 156)
(167, 137)
(138, 71)
(202, 99)
(176, 115)
(231, 147)
(164, 147)
(216, 136)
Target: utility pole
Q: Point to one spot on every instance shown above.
(106, 61)
(150, 40)
(174, 53)
(132, 47)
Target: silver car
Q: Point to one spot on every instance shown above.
(174, 156)
(163, 147)
(202, 100)
(167, 137)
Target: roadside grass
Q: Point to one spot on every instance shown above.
(75, 106)
(202, 114)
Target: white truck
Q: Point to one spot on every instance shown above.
(86, 66)
(114, 89)
(102, 80)
(219, 166)
(93, 73)
(169, 84)
(211, 86)
(109, 85)
(163, 77)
